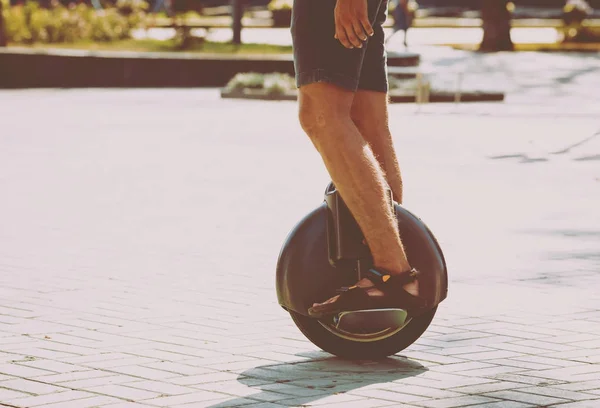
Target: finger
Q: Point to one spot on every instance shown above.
(359, 31)
(352, 36)
(366, 24)
(345, 40)
(340, 34)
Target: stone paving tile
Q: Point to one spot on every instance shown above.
(163, 388)
(50, 365)
(580, 386)
(43, 400)
(434, 358)
(492, 372)
(525, 365)
(488, 387)
(72, 376)
(19, 370)
(32, 387)
(426, 392)
(204, 378)
(581, 404)
(145, 372)
(123, 392)
(526, 378)
(44, 353)
(339, 398)
(559, 393)
(6, 394)
(197, 396)
(524, 350)
(263, 405)
(581, 372)
(386, 395)
(110, 378)
(110, 360)
(491, 355)
(502, 404)
(594, 392)
(462, 367)
(367, 403)
(517, 395)
(220, 403)
(457, 351)
(241, 390)
(455, 402)
(556, 362)
(293, 390)
(91, 402)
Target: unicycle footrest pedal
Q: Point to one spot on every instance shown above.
(372, 319)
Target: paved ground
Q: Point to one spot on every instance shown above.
(567, 82)
(140, 231)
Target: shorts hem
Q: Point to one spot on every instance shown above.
(321, 75)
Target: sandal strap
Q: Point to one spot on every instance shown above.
(345, 289)
(384, 280)
(393, 285)
(350, 295)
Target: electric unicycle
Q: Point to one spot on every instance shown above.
(326, 250)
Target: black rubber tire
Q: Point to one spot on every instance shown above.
(356, 350)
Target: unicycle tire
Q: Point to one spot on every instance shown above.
(362, 350)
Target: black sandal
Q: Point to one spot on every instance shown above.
(395, 297)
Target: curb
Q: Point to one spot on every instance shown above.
(434, 96)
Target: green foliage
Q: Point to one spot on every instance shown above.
(30, 23)
(273, 83)
(280, 5)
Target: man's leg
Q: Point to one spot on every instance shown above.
(328, 75)
(370, 115)
(325, 116)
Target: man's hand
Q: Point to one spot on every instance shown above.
(352, 22)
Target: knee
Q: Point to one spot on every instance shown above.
(319, 112)
(312, 118)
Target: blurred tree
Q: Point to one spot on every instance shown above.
(2, 29)
(237, 12)
(495, 15)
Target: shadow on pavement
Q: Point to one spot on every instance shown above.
(308, 381)
(524, 158)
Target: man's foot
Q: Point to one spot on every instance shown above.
(369, 290)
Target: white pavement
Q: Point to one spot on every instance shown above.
(417, 36)
(139, 231)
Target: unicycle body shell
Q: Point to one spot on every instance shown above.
(308, 270)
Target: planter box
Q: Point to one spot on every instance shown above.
(258, 94)
(22, 67)
(395, 97)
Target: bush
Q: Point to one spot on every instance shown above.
(273, 83)
(280, 5)
(574, 14)
(30, 23)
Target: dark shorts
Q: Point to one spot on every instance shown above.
(319, 57)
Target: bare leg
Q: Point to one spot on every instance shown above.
(325, 117)
(370, 115)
